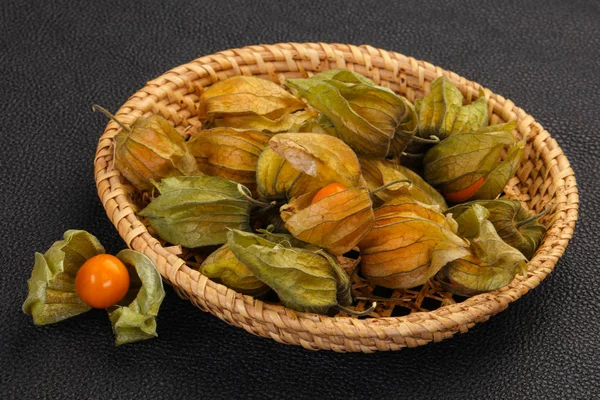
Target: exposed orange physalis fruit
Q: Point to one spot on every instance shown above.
(102, 281)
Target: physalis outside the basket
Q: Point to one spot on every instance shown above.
(56, 281)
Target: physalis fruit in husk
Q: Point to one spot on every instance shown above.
(491, 264)
(365, 116)
(336, 222)
(53, 297)
(304, 280)
(513, 223)
(277, 178)
(320, 156)
(387, 180)
(195, 211)
(222, 266)
(328, 190)
(150, 150)
(247, 96)
(466, 165)
(441, 113)
(229, 153)
(409, 243)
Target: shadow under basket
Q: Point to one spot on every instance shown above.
(544, 179)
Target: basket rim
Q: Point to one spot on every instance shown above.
(311, 330)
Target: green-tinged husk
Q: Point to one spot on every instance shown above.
(406, 247)
(52, 296)
(378, 173)
(365, 116)
(514, 224)
(135, 320)
(197, 211)
(304, 280)
(492, 263)
(461, 165)
(222, 266)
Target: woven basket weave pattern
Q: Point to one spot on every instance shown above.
(544, 179)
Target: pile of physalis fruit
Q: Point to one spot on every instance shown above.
(286, 193)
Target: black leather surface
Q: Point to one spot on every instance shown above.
(58, 58)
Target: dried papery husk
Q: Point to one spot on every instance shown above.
(364, 115)
(406, 133)
(134, 318)
(336, 222)
(320, 156)
(150, 150)
(378, 173)
(404, 249)
(304, 280)
(492, 263)
(197, 211)
(285, 123)
(52, 297)
(321, 124)
(222, 266)
(439, 109)
(459, 165)
(228, 153)
(247, 95)
(513, 223)
(277, 178)
(407, 205)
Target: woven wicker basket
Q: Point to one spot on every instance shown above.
(544, 178)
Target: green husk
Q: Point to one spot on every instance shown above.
(303, 280)
(492, 263)
(52, 296)
(365, 116)
(222, 266)
(197, 211)
(136, 320)
(513, 223)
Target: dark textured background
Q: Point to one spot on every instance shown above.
(57, 58)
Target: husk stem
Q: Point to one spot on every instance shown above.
(104, 111)
(358, 313)
(432, 139)
(244, 191)
(413, 155)
(533, 218)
